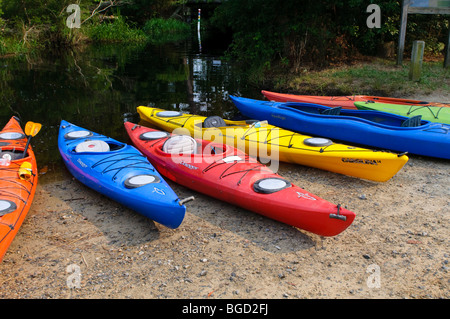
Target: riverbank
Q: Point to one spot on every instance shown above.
(38, 39)
(76, 244)
(367, 76)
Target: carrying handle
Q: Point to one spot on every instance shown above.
(188, 199)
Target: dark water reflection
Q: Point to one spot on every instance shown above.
(98, 86)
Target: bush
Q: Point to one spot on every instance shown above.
(164, 30)
(159, 26)
(116, 31)
(316, 32)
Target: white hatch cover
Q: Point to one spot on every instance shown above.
(317, 141)
(169, 114)
(92, 146)
(141, 180)
(153, 135)
(6, 207)
(11, 136)
(270, 185)
(77, 134)
(180, 144)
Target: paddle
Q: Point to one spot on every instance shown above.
(31, 129)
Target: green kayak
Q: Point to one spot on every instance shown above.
(439, 114)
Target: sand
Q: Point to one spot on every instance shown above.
(77, 244)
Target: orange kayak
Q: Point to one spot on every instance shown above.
(18, 181)
(347, 102)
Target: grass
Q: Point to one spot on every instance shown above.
(154, 30)
(378, 77)
(11, 46)
(159, 26)
(116, 31)
(164, 30)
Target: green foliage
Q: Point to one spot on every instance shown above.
(10, 46)
(161, 30)
(317, 32)
(32, 25)
(159, 26)
(33, 12)
(116, 31)
(142, 10)
(41, 24)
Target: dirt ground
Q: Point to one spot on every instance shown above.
(78, 244)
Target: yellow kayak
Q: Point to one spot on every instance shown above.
(272, 144)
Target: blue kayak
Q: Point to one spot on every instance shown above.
(363, 127)
(120, 172)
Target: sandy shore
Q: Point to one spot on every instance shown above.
(78, 244)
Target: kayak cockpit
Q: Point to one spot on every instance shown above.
(96, 146)
(185, 145)
(219, 123)
(12, 153)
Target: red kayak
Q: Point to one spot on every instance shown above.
(347, 102)
(228, 174)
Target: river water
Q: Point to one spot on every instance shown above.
(98, 86)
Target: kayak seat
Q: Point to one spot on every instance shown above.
(214, 121)
(332, 111)
(412, 121)
(180, 144)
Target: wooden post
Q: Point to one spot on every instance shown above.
(402, 33)
(416, 60)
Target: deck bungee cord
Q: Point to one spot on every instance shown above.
(116, 158)
(13, 180)
(8, 206)
(257, 166)
(220, 161)
(415, 108)
(345, 97)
